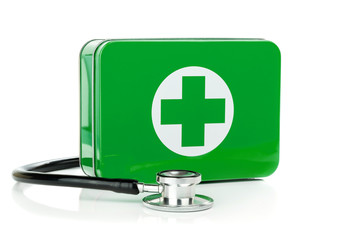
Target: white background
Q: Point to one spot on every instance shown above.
(39, 91)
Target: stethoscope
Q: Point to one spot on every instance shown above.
(175, 191)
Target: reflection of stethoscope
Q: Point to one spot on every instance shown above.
(176, 189)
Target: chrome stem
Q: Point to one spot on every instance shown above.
(154, 188)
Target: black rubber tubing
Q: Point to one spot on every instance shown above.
(38, 173)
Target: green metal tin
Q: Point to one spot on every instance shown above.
(206, 105)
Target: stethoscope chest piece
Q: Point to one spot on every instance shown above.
(178, 193)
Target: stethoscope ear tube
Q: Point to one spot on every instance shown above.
(38, 173)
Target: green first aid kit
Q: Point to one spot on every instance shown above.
(206, 105)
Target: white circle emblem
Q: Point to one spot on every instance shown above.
(192, 111)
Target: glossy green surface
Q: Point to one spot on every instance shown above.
(86, 150)
(127, 74)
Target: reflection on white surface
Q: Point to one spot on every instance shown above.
(234, 201)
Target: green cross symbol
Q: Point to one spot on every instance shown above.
(193, 111)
